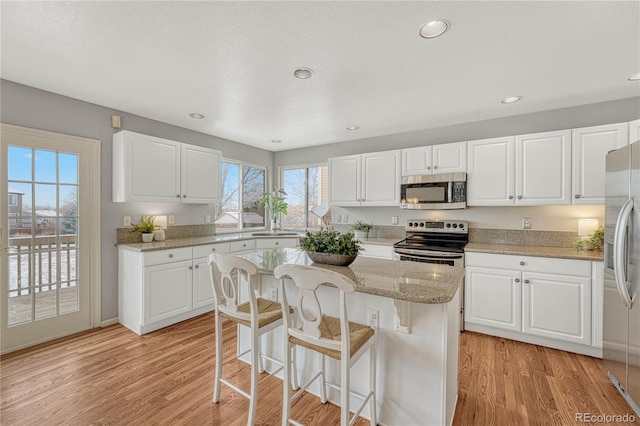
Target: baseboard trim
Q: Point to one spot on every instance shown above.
(109, 322)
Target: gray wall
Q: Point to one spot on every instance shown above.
(28, 107)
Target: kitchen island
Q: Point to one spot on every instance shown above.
(417, 308)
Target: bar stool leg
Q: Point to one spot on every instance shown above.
(344, 393)
(216, 386)
(255, 357)
(260, 359)
(286, 392)
(294, 368)
(323, 385)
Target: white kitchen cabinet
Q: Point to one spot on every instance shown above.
(268, 243)
(167, 290)
(634, 131)
(435, 159)
(491, 172)
(371, 179)
(525, 170)
(151, 169)
(597, 303)
(202, 290)
(540, 300)
(589, 150)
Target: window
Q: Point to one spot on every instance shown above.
(13, 199)
(242, 187)
(306, 188)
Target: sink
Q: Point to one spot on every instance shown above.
(272, 234)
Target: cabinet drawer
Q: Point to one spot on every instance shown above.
(166, 256)
(204, 251)
(242, 245)
(530, 263)
(276, 242)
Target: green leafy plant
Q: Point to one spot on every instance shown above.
(145, 226)
(595, 241)
(274, 201)
(330, 241)
(361, 226)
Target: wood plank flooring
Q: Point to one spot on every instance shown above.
(114, 377)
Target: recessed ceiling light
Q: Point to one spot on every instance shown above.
(276, 141)
(353, 127)
(196, 115)
(303, 73)
(634, 77)
(510, 99)
(434, 29)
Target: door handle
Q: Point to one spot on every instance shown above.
(619, 251)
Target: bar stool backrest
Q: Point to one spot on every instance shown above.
(227, 272)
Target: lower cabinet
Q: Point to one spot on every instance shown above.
(167, 290)
(544, 301)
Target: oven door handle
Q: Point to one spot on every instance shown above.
(421, 254)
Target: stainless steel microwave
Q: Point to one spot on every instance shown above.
(444, 191)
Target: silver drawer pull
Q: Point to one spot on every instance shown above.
(521, 263)
(170, 254)
(517, 280)
(197, 266)
(526, 281)
(277, 243)
(190, 267)
(213, 249)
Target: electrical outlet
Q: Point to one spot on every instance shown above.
(274, 294)
(126, 221)
(207, 218)
(345, 218)
(172, 219)
(372, 315)
(526, 223)
(394, 220)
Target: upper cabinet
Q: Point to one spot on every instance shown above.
(435, 159)
(371, 179)
(151, 169)
(525, 170)
(634, 131)
(590, 147)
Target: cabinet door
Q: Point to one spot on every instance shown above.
(543, 169)
(202, 288)
(145, 168)
(557, 306)
(417, 161)
(492, 298)
(490, 172)
(590, 146)
(450, 158)
(268, 243)
(200, 175)
(167, 290)
(345, 174)
(381, 178)
(634, 131)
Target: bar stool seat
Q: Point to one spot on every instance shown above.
(268, 312)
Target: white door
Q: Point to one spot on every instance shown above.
(345, 174)
(50, 234)
(417, 161)
(493, 298)
(200, 174)
(590, 146)
(381, 178)
(490, 172)
(450, 158)
(543, 169)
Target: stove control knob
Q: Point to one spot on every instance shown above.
(461, 225)
(411, 224)
(421, 224)
(448, 225)
(455, 225)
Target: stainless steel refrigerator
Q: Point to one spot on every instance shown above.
(621, 333)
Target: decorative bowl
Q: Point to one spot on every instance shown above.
(332, 259)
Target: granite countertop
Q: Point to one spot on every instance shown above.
(409, 281)
(538, 251)
(381, 241)
(200, 241)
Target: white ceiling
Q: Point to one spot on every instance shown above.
(233, 62)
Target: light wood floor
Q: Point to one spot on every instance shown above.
(114, 377)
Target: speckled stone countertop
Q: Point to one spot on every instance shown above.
(410, 281)
(380, 241)
(538, 251)
(200, 241)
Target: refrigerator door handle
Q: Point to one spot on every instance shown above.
(619, 251)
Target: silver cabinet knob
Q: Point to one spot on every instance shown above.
(519, 197)
(428, 167)
(526, 281)
(511, 197)
(213, 249)
(184, 196)
(577, 195)
(178, 195)
(190, 267)
(170, 254)
(197, 266)
(277, 243)
(517, 280)
(521, 263)
(244, 245)
(435, 167)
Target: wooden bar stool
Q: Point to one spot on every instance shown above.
(333, 337)
(260, 315)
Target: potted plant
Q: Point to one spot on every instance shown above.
(330, 246)
(595, 241)
(145, 228)
(362, 229)
(275, 203)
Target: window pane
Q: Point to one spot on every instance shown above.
(227, 214)
(19, 163)
(68, 166)
(45, 166)
(317, 193)
(253, 188)
(295, 187)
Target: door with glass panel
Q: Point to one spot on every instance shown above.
(47, 182)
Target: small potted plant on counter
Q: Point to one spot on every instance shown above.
(330, 247)
(595, 241)
(145, 228)
(275, 203)
(361, 229)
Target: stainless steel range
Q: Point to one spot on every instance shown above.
(435, 241)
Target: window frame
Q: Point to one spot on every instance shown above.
(12, 196)
(241, 227)
(305, 166)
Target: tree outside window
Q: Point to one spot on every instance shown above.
(307, 187)
(242, 185)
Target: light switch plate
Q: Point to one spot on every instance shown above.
(207, 218)
(172, 219)
(394, 220)
(526, 223)
(126, 221)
